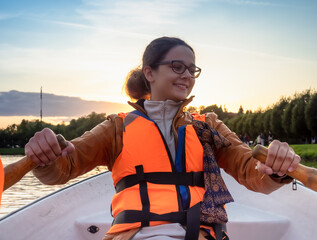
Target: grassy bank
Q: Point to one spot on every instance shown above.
(310, 163)
(11, 151)
(307, 152)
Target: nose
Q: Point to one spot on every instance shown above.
(187, 74)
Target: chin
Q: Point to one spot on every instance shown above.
(179, 98)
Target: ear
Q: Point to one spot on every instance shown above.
(148, 73)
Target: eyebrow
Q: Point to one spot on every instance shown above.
(176, 60)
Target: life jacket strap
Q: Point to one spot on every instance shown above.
(144, 196)
(193, 222)
(189, 218)
(219, 229)
(175, 178)
(132, 216)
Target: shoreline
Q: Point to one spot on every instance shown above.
(11, 151)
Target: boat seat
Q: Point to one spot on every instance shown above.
(242, 219)
(249, 223)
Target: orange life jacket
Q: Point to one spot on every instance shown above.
(151, 189)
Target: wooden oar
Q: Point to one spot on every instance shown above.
(15, 171)
(306, 175)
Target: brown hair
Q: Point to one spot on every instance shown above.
(136, 85)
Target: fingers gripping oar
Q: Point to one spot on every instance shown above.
(306, 175)
(15, 171)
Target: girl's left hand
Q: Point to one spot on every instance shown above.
(280, 159)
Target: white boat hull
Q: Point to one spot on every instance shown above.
(73, 212)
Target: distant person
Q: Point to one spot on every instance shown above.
(262, 139)
(270, 138)
(246, 139)
(158, 137)
(258, 139)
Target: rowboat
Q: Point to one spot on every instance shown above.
(82, 211)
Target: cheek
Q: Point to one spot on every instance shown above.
(193, 83)
(168, 78)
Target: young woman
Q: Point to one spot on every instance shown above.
(164, 162)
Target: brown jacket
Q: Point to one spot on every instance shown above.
(102, 145)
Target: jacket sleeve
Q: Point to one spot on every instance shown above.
(98, 147)
(238, 162)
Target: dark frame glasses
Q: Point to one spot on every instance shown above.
(179, 67)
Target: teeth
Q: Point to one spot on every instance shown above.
(181, 85)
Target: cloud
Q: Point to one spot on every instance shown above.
(103, 29)
(250, 2)
(72, 24)
(260, 54)
(4, 16)
(135, 13)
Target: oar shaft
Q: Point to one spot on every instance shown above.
(306, 175)
(14, 172)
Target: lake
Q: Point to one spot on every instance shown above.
(29, 188)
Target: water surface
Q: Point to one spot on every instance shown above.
(29, 189)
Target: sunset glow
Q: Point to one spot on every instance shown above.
(251, 52)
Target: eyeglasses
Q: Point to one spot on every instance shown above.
(180, 67)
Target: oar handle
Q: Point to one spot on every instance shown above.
(15, 171)
(306, 175)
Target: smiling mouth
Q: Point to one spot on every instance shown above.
(182, 86)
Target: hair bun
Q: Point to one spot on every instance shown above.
(136, 86)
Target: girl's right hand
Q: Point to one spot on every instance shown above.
(43, 148)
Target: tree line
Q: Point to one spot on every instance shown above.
(292, 119)
(17, 135)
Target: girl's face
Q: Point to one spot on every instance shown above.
(165, 83)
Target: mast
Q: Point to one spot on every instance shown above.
(41, 113)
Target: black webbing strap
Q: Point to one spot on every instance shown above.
(132, 216)
(218, 231)
(193, 222)
(189, 218)
(176, 178)
(144, 196)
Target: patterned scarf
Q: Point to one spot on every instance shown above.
(216, 193)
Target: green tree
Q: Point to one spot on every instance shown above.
(259, 122)
(240, 111)
(201, 108)
(251, 130)
(214, 108)
(276, 119)
(78, 126)
(298, 123)
(311, 115)
(266, 120)
(192, 109)
(287, 119)
(232, 123)
(242, 124)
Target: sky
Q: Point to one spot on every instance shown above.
(251, 52)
